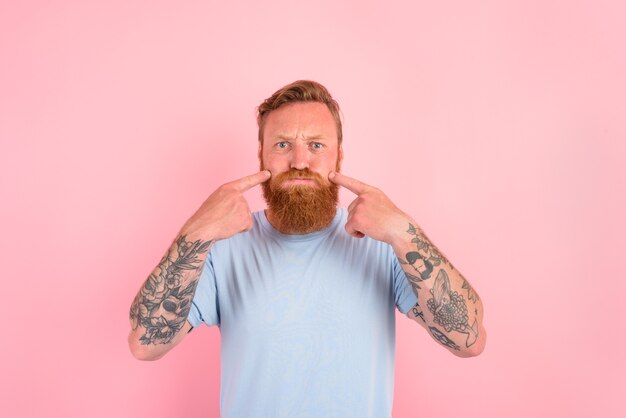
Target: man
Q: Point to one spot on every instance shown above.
(304, 293)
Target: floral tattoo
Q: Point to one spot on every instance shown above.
(163, 303)
(449, 309)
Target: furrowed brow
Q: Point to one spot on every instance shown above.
(284, 137)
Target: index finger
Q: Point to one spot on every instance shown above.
(248, 182)
(355, 186)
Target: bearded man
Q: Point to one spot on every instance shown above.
(304, 292)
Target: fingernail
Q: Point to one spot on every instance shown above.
(331, 175)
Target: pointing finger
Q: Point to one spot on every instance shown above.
(352, 205)
(349, 183)
(248, 182)
(352, 231)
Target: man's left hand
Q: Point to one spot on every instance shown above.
(372, 213)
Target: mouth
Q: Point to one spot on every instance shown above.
(298, 182)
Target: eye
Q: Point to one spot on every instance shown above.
(282, 145)
(317, 146)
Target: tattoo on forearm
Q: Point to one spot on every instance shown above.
(425, 262)
(471, 293)
(449, 309)
(447, 306)
(163, 303)
(423, 244)
(421, 265)
(443, 338)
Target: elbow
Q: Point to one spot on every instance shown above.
(475, 349)
(472, 351)
(144, 355)
(142, 352)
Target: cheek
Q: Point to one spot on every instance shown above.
(328, 163)
(273, 163)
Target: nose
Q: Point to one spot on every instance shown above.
(300, 157)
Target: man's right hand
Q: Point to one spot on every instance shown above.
(225, 212)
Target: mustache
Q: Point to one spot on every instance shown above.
(293, 173)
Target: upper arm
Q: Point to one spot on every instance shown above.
(416, 314)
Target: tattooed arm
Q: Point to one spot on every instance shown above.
(158, 314)
(454, 312)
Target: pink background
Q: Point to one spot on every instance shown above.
(499, 125)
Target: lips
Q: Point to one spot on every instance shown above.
(300, 179)
(297, 181)
(293, 177)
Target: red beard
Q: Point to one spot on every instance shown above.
(300, 209)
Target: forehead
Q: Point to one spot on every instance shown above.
(302, 119)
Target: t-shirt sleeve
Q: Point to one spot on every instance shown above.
(204, 307)
(405, 297)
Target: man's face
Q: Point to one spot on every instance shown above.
(300, 148)
(300, 135)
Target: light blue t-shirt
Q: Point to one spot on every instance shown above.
(307, 322)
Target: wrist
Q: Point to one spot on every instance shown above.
(401, 236)
(192, 233)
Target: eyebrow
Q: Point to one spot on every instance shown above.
(284, 137)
